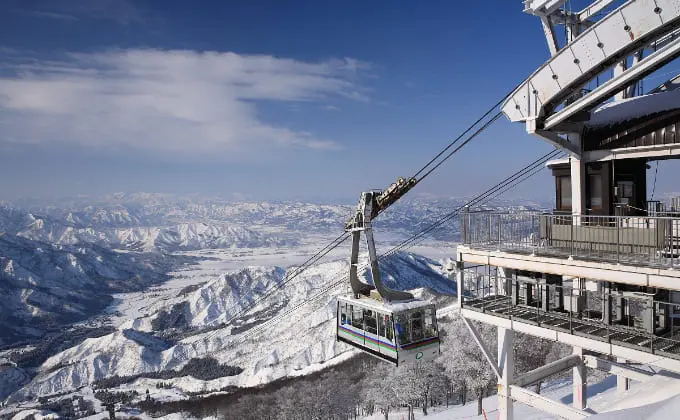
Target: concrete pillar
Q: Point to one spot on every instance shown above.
(620, 308)
(505, 280)
(578, 183)
(579, 382)
(648, 315)
(506, 368)
(622, 383)
(607, 303)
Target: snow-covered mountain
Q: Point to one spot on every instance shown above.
(100, 229)
(44, 286)
(299, 340)
(11, 377)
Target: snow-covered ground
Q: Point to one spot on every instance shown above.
(214, 262)
(658, 399)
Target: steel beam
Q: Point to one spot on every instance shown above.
(620, 33)
(543, 372)
(545, 404)
(593, 9)
(554, 139)
(610, 87)
(579, 382)
(506, 364)
(615, 368)
(482, 346)
(594, 345)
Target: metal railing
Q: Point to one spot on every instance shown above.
(635, 320)
(637, 240)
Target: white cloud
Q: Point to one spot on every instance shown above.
(165, 101)
(123, 12)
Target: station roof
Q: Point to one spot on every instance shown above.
(617, 112)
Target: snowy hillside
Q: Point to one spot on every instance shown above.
(298, 342)
(11, 378)
(44, 286)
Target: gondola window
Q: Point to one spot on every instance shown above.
(343, 314)
(357, 317)
(416, 326)
(389, 333)
(430, 326)
(370, 322)
(403, 329)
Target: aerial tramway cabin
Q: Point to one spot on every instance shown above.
(389, 324)
(398, 333)
(600, 271)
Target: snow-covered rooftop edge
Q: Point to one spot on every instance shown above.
(628, 109)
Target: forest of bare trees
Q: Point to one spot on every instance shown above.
(366, 386)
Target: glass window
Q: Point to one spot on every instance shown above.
(403, 328)
(381, 324)
(416, 325)
(370, 322)
(389, 332)
(357, 317)
(343, 313)
(595, 191)
(430, 324)
(564, 192)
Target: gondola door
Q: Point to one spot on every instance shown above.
(371, 339)
(388, 345)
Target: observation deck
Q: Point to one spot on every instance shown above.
(636, 250)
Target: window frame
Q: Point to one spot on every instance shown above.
(559, 202)
(595, 182)
(370, 315)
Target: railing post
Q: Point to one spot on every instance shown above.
(674, 224)
(490, 224)
(571, 242)
(571, 307)
(618, 238)
(500, 230)
(465, 224)
(539, 296)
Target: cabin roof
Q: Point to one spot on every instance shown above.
(383, 306)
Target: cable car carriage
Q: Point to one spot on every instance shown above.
(393, 326)
(396, 332)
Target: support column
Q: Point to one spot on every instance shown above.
(505, 280)
(506, 366)
(578, 183)
(622, 383)
(544, 289)
(579, 382)
(607, 303)
(620, 308)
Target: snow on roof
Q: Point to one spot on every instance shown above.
(639, 106)
(384, 306)
(555, 162)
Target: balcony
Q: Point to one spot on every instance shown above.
(630, 240)
(645, 322)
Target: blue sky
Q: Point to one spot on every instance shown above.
(259, 99)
